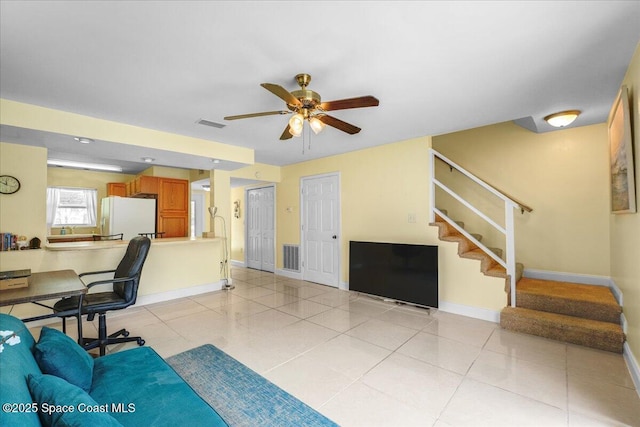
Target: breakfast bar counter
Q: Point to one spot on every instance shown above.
(104, 244)
(175, 267)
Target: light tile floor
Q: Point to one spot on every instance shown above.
(365, 362)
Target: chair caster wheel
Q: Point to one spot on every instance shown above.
(125, 334)
(140, 342)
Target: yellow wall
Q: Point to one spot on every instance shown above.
(625, 229)
(18, 212)
(237, 225)
(258, 171)
(167, 172)
(34, 117)
(562, 175)
(380, 187)
(171, 266)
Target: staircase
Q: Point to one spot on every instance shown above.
(468, 249)
(579, 314)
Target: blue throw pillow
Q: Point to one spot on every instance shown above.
(61, 404)
(59, 355)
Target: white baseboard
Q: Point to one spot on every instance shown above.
(178, 293)
(632, 364)
(583, 279)
(288, 273)
(152, 299)
(465, 310)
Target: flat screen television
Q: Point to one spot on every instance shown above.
(398, 271)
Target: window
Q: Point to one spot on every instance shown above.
(71, 206)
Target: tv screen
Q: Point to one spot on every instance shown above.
(403, 272)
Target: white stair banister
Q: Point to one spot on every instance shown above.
(509, 205)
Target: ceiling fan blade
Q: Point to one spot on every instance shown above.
(282, 93)
(286, 134)
(246, 116)
(338, 124)
(343, 104)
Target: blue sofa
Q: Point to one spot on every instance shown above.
(130, 388)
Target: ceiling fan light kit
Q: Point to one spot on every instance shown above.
(307, 105)
(316, 125)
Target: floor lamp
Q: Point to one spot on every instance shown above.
(224, 265)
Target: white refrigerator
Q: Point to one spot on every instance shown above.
(128, 215)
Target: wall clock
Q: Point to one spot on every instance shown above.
(9, 184)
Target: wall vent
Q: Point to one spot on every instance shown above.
(210, 123)
(291, 257)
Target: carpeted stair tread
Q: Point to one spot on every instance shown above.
(590, 333)
(587, 301)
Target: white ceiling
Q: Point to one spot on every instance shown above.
(435, 66)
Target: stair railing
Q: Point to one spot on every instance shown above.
(508, 230)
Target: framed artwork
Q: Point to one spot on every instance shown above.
(622, 178)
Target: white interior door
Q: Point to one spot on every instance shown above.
(320, 229)
(267, 225)
(260, 232)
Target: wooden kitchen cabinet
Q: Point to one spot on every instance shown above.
(173, 225)
(117, 189)
(173, 207)
(172, 197)
(144, 185)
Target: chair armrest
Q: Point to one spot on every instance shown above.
(89, 273)
(105, 281)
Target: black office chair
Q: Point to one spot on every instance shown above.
(126, 279)
(98, 237)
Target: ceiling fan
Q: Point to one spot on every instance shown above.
(306, 104)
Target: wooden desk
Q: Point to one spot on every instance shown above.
(47, 285)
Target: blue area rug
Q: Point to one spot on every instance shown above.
(241, 396)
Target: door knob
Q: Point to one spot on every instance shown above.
(335, 237)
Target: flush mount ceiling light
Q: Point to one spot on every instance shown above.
(83, 165)
(562, 119)
(83, 140)
(148, 159)
(216, 161)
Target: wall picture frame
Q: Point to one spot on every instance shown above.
(621, 160)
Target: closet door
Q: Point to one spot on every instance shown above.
(261, 229)
(254, 240)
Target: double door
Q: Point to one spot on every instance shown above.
(261, 229)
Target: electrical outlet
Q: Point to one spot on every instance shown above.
(411, 218)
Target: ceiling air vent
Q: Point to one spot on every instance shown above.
(210, 123)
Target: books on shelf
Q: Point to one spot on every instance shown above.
(8, 241)
(12, 242)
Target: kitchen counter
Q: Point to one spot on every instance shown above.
(105, 244)
(176, 266)
(70, 238)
